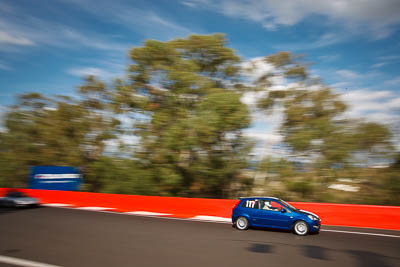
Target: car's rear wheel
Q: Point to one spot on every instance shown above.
(242, 223)
(9, 204)
(300, 228)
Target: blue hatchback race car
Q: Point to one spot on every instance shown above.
(273, 212)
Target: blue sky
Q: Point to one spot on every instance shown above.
(49, 45)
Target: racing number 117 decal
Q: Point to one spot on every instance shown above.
(250, 203)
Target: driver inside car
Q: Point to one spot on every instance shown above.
(267, 206)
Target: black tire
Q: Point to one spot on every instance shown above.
(242, 223)
(300, 228)
(8, 204)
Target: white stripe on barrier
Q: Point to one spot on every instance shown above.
(147, 213)
(25, 263)
(171, 218)
(211, 218)
(94, 208)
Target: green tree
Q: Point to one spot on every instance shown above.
(314, 124)
(188, 94)
(392, 183)
(318, 133)
(56, 131)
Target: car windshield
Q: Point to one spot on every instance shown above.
(288, 205)
(16, 194)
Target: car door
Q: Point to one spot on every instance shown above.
(272, 215)
(258, 215)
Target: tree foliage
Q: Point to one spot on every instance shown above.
(190, 137)
(56, 131)
(184, 97)
(315, 124)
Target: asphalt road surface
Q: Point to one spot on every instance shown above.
(67, 237)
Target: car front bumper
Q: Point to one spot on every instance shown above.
(315, 226)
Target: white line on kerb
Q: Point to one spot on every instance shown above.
(359, 233)
(25, 263)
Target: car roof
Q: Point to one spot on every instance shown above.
(259, 197)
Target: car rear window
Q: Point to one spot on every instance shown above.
(252, 204)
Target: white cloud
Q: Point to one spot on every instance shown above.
(340, 85)
(378, 106)
(348, 74)
(378, 65)
(386, 60)
(85, 71)
(326, 39)
(393, 82)
(389, 58)
(268, 143)
(105, 69)
(354, 76)
(155, 19)
(250, 98)
(382, 117)
(4, 66)
(267, 137)
(124, 13)
(188, 3)
(97, 42)
(329, 58)
(367, 95)
(394, 103)
(257, 67)
(376, 18)
(270, 120)
(29, 30)
(7, 38)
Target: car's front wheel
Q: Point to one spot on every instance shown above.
(300, 228)
(242, 223)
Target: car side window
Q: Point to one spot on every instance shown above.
(253, 204)
(276, 206)
(271, 205)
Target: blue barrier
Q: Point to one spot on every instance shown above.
(55, 178)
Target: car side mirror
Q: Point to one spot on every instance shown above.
(283, 210)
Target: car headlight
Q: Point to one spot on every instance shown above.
(312, 217)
